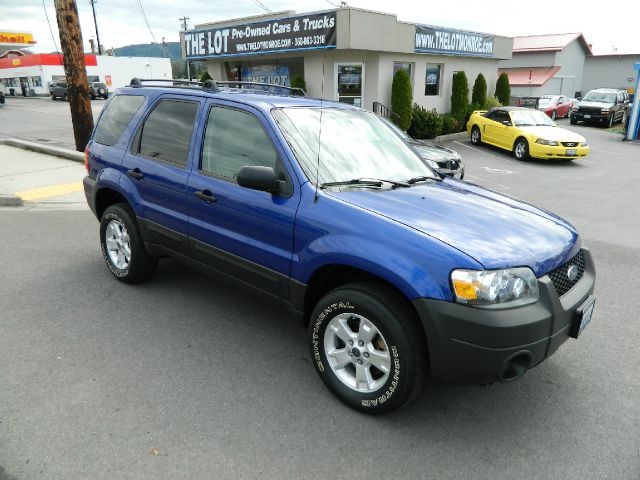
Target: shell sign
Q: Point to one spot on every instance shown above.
(15, 62)
(16, 38)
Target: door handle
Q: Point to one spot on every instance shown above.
(206, 196)
(135, 173)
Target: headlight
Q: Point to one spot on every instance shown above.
(431, 163)
(551, 143)
(605, 111)
(584, 144)
(491, 287)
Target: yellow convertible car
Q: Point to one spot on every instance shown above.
(527, 133)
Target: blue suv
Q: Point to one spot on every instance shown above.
(394, 269)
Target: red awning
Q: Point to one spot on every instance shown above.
(524, 77)
(40, 59)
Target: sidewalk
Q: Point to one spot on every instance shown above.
(37, 179)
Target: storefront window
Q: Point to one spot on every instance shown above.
(432, 79)
(349, 83)
(36, 81)
(406, 66)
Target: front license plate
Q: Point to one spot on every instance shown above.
(572, 152)
(587, 116)
(583, 316)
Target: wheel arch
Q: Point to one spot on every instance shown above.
(107, 196)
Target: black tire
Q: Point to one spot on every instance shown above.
(398, 339)
(53, 97)
(610, 123)
(2, 100)
(93, 97)
(65, 98)
(140, 265)
(476, 136)
(554, 115)
(104, 97)
(573, 120)
(521, 149)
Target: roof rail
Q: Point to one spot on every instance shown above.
(242, 84)
(139, 82)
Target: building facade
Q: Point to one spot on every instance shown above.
(348, 55)
(616, 71)
(37, 71)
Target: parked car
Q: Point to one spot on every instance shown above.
(605, 106)
(98, 89)
(555, 106)
(58, 89)
(442, 159)
(392, 268)
(527, 133)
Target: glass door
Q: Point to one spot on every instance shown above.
(350, 83)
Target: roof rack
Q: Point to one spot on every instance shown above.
(212, 85)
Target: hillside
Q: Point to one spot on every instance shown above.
(149, 50)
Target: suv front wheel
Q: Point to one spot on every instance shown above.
(122, 246)
(367, 348)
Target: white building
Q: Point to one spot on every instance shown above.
(348, 54)
(37, 71)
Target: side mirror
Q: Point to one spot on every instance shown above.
(578, 98)
(506, 123)
(258, 178)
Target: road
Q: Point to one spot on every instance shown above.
(189, 377)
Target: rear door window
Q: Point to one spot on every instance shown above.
(116, 117)
(166, 133)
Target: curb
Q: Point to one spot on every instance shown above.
(450, 137)
(46, 149)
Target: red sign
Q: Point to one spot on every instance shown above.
(107, 80)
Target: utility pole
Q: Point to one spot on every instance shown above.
(95, 22)
(184, 28)
(75, 71)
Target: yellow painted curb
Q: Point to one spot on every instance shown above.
(52, 191)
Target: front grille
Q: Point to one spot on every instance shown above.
(570, 144)
(450, 164)
(559, 276)
(590, 110)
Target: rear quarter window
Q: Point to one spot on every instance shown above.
(116, 117)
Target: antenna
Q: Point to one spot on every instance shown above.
(315, 198)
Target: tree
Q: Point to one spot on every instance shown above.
(503, 90)
(298, 82)
(401, 99)
(479, 93)
(205, 76)
(459, 95)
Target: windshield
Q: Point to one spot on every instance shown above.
(548, 100)
(600, 97)
(354, 144)
(530, 118)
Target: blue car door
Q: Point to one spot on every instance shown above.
(156, 170)
(245, 233)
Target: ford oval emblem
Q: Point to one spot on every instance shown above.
(572, 273)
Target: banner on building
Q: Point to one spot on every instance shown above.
(452, 42)
(303, 32)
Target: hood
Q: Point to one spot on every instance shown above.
(436, 153)
(595, 104)
(554, 133)
(495, 230)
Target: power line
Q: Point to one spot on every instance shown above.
(147, 21)
(51, 30)
(331, 3)
(261, 5)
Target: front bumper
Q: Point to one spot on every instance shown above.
(560, 152)
(590, 117)
(475, 345)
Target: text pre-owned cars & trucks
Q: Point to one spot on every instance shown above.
(319, 205)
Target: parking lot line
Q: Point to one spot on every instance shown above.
(51, 191)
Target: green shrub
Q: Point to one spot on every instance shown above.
(205, 76)
(425, 124)
(503, 90)
(298, 82)
(401, 98)
(450, 124)
(459, 94)
(479, 94)
(492, 102)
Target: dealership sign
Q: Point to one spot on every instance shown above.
(452, 42)
(303, 32)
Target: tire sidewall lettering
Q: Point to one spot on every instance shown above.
(103, 245)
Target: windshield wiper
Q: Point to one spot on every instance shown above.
(371, 182)
(422, 178)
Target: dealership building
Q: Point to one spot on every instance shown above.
(348, 54)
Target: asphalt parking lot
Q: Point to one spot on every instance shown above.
(189, 377)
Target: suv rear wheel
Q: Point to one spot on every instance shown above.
(122, 246)
(367, 348)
